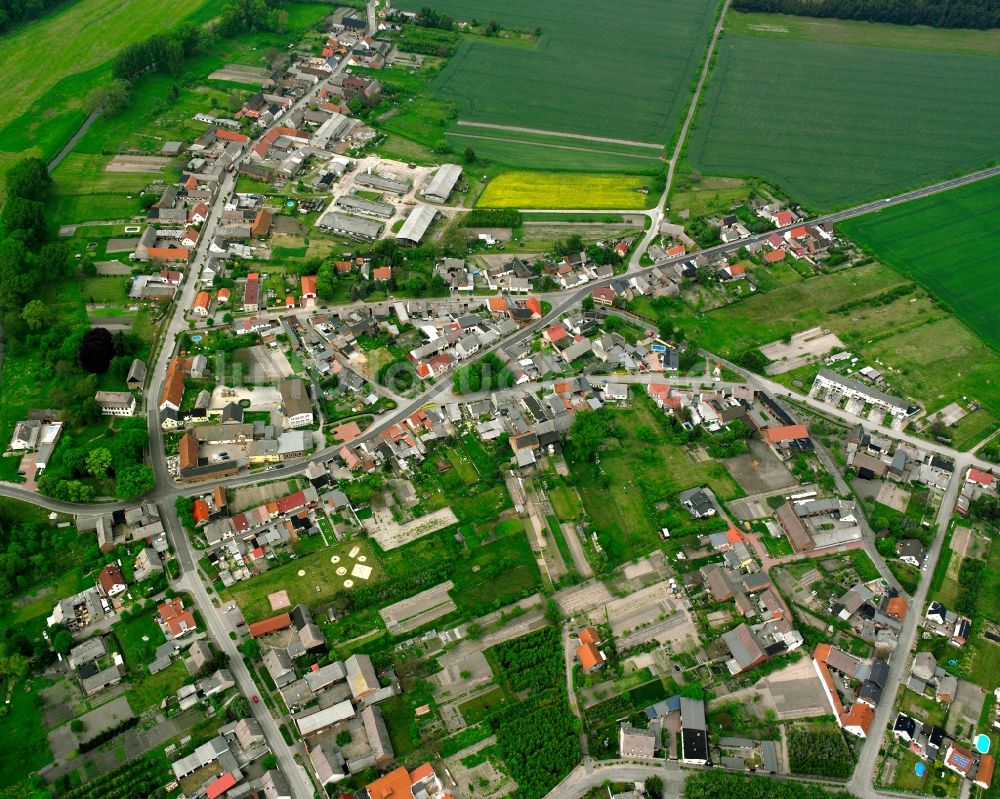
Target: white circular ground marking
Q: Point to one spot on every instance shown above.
(302, 572)
(348, 583)
(335, 559)
(362, 558)
(341, 571)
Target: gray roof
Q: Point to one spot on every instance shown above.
(692, 713)
(373, 181)
(443, 182)
(861, 388)
(349, 225)
(136, 372)
(416, 224)
(89, 650)
(363, 206)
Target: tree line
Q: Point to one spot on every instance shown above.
(980, 14)
(17, 12)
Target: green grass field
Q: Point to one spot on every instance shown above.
(319, 571)
(833, 122)
(537, 151)
(90, 26)
(597, 69)
(560, 190)
(639, 475)
(51, 65)
(947, 243)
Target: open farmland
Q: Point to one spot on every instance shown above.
(835, 123)
(591, 58)
(559, 190)
(947, 243)
(46, 81)
(536, 151)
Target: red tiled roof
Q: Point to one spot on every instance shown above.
(394, 785)
(202, 300)
(534, 305)
(220, 786)
(187, 450)
(774, 256)
(109, 577)
(382, 273)
(589, 635)
(200, 510)
(280, 622)
(984, 776)
(291, 502)
(797, 233)
(223, 295)
(497, 304)
(308, 285)
(677, 249)
(590, 656)
(230, 135)
(791, 432)
(984, 479)
(168, 253)
(736, 269)
(783, 218)
(896, 607)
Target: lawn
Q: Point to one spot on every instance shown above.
(475, 710)
(50, 65)
(561, 83)
(562, 190)
(111, 290)
(497, 570)
(83, 190)
(565, 502)
(633, 477)
(947, 243)
(463, 465)
(320, 573)
(26, 747)
(879, 119)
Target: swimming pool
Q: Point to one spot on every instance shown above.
(982, 744)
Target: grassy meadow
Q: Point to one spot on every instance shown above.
(836, 119)
(559, 190)
(52, 64)
(597, 69)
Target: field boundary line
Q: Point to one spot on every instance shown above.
(554, 146)
(558, 134)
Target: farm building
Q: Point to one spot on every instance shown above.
(442, 183)
(353, 226)
(416, 224)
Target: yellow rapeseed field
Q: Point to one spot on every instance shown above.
(565, 190)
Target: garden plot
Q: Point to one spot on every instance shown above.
(794, 692)
(137, 163)
(391, 535)
(241, 73)
(582, 598)
(640, 617)
(759, 470)
(409, 614)
(803, 348)
(893, 496)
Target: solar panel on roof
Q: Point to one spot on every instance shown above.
(961, 761)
